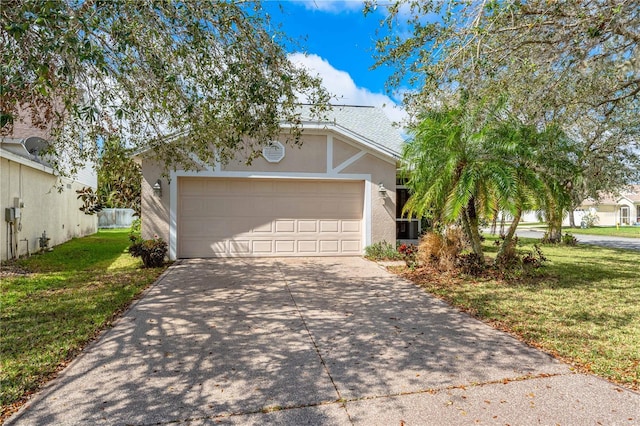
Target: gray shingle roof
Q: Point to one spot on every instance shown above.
(368, 122)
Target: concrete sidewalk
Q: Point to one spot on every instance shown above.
(313, 341)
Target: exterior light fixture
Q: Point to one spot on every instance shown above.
(157, 188)
(382, 191)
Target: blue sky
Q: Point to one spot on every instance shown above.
(339, 42)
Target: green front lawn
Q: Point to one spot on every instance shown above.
(64, 300)
(610, 231)
(583, 308)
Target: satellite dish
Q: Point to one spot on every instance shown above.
(35, 145)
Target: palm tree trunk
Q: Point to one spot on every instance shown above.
(474, 229)
(508, 238)
(554, 225)
(494, 223)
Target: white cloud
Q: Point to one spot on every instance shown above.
(341, 85)
(332, 6)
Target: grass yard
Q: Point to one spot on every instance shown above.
(582, 308)
(610, 231)
(57, 302)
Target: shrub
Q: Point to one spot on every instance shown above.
(590, 220)
(569, 240)
(152, 251)
(441, 249)
(136, 226)
(430, 248)
(535, 258)
(509, 258)
(409, 254)
(382, 250)
(470, 264)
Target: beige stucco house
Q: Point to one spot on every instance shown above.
(29, 198)
(332, 196)
(622, 208)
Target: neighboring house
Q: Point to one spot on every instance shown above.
(332, 196)
(622, 209)
(29, 199)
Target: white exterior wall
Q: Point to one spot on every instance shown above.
(45, 209)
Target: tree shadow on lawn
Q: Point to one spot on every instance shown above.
(222, 337)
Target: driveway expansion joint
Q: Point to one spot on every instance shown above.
(344, 401)
(315, 345)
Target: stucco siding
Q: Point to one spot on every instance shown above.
(155, 209)
(383, 211)
(45, 209)
(342, 151)
(309, 158)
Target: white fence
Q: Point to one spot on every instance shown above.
(115, 218)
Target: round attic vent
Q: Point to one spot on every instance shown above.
(274, 152)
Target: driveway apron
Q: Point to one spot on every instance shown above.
(313, 341)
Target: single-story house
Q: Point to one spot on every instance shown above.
(30, 202)
(614, 209)
(332, 196)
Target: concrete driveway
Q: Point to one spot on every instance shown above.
(313, 341)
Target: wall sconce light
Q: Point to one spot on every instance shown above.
(157, 188)
(382, 191)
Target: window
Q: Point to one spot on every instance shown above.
(406, 228)
(624, 215)
(637, 214)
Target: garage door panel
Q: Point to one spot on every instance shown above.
(262, 217)
(307, 246)
(262, 247)
(285, 246)
(284, 226)
(328, 226)
(350, 226)
(307, 226)
(204, 248)
(329, 246)
(240, 247)
(352, 246)
(263, 228)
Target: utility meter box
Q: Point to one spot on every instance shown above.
(9, 214)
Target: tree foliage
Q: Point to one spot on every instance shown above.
(559, 57)
(119, 180)
(119, 177)
(214, 70)
(572, 66)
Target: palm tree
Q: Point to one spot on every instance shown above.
(455, 172)
(462, 165)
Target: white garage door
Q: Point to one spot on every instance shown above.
(269, 217)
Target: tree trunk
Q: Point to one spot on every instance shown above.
(494, 223)
(502, 223)
(554, 226)
(465, 225)
(474, 229)
(508, 238)
(572, 218)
